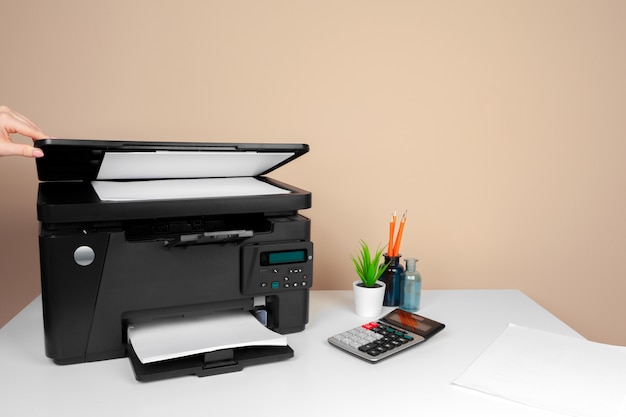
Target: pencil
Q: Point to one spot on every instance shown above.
(396, 248)
(392, 230)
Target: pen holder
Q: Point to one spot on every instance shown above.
(393, 278)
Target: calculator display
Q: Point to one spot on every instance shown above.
(413, 322)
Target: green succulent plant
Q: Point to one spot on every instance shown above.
(368, 267)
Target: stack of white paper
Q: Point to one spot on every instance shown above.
(554, 372)
(180, 337)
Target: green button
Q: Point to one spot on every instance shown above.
(275, 285)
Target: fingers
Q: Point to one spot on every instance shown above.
(14, 122)
(18, 149)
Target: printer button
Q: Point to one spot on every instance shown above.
(84, 255)
(275, 285)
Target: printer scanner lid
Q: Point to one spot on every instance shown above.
(87, 160)
(96, 180)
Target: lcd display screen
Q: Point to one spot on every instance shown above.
(283, 257)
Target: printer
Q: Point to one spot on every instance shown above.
(135, 232)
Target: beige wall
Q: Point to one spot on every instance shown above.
(499, 125)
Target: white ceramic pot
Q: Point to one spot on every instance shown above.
(368, 302)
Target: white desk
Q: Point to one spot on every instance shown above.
(319, 380)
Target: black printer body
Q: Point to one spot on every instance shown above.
(108, 262)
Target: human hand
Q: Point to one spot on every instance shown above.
(12, 122)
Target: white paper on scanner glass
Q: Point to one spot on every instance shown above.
(560, 373)
(177, 338)
(185, 164)
(183, 188)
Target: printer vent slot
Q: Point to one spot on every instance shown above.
(172, 229)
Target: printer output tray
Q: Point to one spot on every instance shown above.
(213, 363)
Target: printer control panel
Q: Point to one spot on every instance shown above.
(276, 267)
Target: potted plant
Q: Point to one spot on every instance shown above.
(368, 291)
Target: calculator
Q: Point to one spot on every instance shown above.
(393, 333)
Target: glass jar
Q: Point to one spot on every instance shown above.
(412, 288)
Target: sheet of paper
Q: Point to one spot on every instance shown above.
(177, 338)
(565, 374)
(183, 188)
(185, 164)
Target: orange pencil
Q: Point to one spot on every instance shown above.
(392, 230)
(396, 248)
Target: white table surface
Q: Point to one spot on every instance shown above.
(319, 380)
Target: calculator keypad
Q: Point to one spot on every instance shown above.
(374, 341)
